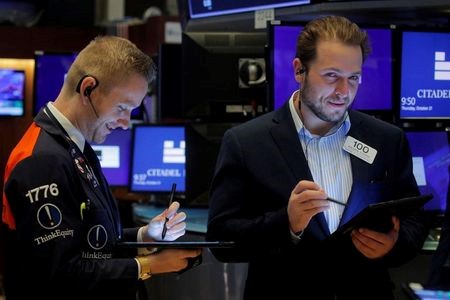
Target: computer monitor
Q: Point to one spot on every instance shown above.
(209, 8)
(50, 71)
(184, 154)
(158, 158)
(425, 77)
(115, 155)
(12, 92)
(375, 91)
(431, 159)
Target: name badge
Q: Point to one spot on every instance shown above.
(360, 150)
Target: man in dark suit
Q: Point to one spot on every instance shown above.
(274, 174)
(62, 223)
(439, 277)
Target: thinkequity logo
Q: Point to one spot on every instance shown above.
(172, 154)
(441, 67)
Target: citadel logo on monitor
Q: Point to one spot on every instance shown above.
(441, 67)
(425, 92)
(158, 159)
(173, 155)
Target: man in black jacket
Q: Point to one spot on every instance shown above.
(274, 175)
(439, 277)
(63, 225)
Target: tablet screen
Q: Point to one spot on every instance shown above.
(417, 292)
(377, 216)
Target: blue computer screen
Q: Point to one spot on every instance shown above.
(12, 92)
(158, 159)
(115, 155)
(208, 8)
(431, 159)
(50, 71)
(425, 75)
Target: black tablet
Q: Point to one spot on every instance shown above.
(416, 291)
(179, 245)
(378, 216)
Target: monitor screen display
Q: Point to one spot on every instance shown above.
(375, 90)
(158, 158)
(182, 154)
(431, 161)
(12, 92)
(208, 8)
(50, 71)
(425, 75)
(115, 155)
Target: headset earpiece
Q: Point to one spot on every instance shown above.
(301, 71)
(88, 91)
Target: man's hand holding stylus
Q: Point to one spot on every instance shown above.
(307, 199)
(176, 225)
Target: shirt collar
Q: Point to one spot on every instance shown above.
(297, 121)
(74, 134)
(345, 126)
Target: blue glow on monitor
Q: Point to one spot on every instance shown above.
(49, 74)
(159, 159)
(431, 159)
(115, 155)
(209, 8)
(425, 75)
(12, 92)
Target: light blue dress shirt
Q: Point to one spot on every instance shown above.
(329, 163)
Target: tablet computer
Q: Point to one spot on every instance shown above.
(179, 245)
(378, 216)
(416, 291)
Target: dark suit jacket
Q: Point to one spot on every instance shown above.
(66, 253)
(259, 164)
(439, 277)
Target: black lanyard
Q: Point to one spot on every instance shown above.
(85, 170)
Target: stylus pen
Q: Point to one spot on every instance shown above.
(172, 194)
(336, 201)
